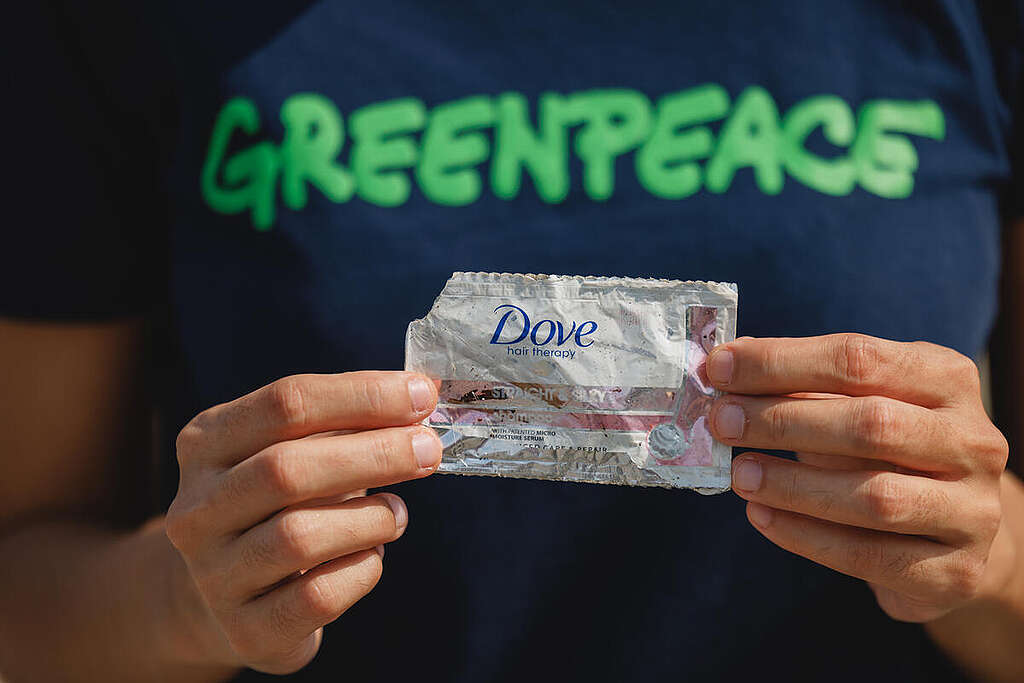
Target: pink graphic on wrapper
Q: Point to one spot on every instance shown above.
(686, 440)
(616, 422)
(674, 419)
(528, 395)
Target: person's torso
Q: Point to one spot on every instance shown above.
(337, 161)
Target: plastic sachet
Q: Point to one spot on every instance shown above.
(576, 378)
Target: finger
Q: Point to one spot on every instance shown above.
(814, 394)
(843, 462)
(336, 499)
(910, 565)
(851, 364)
(288, 615)
(302, 405)
(295, 472)
(884, 501)
(904, 608)
(299, 539)
(267, 659)
(866, 427)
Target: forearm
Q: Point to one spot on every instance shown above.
(81, 603)
(987, 636)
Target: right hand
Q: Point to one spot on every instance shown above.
(271, 515)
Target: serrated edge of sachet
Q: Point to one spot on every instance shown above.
(540, 277)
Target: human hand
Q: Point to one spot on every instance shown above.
(271, 515)
(899, 467)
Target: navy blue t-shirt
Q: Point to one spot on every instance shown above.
(286, 185)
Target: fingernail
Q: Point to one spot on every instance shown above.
(425, 448)
(380, 551)
(421, 393)
(398, 508)
(760, 515)
(747, 476)
(730, 420)
(720, 367)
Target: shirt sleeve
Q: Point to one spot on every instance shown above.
(86, 222)
(1014, 199)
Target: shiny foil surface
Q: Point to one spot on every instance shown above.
(576, 378)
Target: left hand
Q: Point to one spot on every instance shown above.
(897, 481)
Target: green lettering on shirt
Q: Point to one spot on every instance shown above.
(250, 174)
(836, 176)
(886, 161)
(750, 137)
(542, 154)
(615, 121)
(692, 140)
(666, 164)
(451, 147)
(382, 145)
(313, 135)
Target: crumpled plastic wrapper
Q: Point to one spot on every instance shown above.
(576, 378)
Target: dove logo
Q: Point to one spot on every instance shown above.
(543, 332)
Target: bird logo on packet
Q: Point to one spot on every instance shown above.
(576, 378)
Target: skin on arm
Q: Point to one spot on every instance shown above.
(80, 600)
(270, 538)
(987, 638)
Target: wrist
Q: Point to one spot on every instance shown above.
(1004, 576)
(190, 634)
(983, 636)
(1001, 582)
